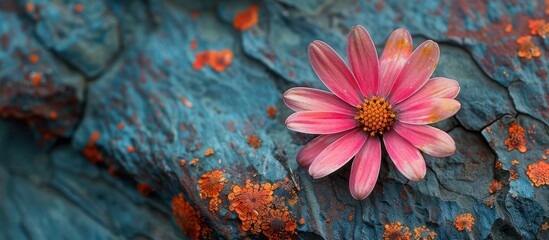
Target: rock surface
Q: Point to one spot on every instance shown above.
(168, 98)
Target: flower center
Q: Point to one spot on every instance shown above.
(375, 115)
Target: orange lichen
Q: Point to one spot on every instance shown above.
(36, 78)
(278, 224)
(208, 152)
(120, 126)
(250, 203)
(91, 152)
(182, 162)
(144, 189)
(78, 8)
(545, 226)
(395, 231)
(33, 58)
(526, 48)
(271, 111)
(194, 44)
(495, 186)
(130, 149)
(350, 217)
(218, 60)
(186, 101)
(516, 138)
(328, 220)
(498, 165)
(246, 19)
(53, 115)
(538, 173)
(301, 221)
(423, 233)
(194, 161)
(515, 162)
(211, 184)
(538, 27)
(188, 218)
(509, 28)
(490, 202)
(464, 221)
(513, 174)
(254, 141)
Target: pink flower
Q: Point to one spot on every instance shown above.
(390, 99)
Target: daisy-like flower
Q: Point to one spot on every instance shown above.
(391, 100)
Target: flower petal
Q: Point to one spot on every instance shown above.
(415, 73)
(334, 73)
(309, 99)
(337, 154)
(428, 112)
(320, 122)
(438, 87)
(407, 159)
(397, 50)
(310, 151)
(365, 169)
(430, 140)
(363, 60)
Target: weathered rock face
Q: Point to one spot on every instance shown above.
(171, 99)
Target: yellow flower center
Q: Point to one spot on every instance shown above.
(375, 115)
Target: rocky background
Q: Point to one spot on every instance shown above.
(152, 119)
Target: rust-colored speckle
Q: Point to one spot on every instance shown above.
(526, 48)
(516, 138)
(30, 7)
(254, 141)
(250, 203)
(508, 28)
(538, 173)
(144, 189)
(211, 184)
(464, 221)
(130, 149)
(78, 8)
(34, 58)
(188, 218)
(201, 59)
(271, 111)
(36, 78)
(209, 152)
(513, 174)
(120, 126)
(350, 217)
(498, 165)
(182, 162)
(194, 161)
(423, 233)
(194, 44)
(278, 224)
(515, 162)
(94, 137)
(91, 152)
(490, 202)
(195, 14)
(53, 115)
(186, 101)
(545, 226)
(495, 186)
(302, 221)
(328, 220)
(395, 231)
(538, 27)
(246, 19)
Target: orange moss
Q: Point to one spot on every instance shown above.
(188, 218)
(516, 138)
(36, 78)
(254, 141)
(538, 173)
(186, 101)
(208, 152)
(194, 161)
(395, 231)
(194, 44)
(423, 233)
(246, 19)
(495, 186)
(513, 174)
(526, 48)
(464, 221)
(120, 126)
(250, 203)
(78, 8)
(144, 189)
(271, 111)
(211, 184)
(278, 224)
(33, 58)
